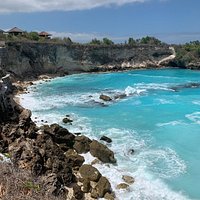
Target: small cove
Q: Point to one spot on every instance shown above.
(159, 118)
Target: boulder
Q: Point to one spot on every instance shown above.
(25, 114)
(86, 186)
(62, 135)
(122, 186)
(89, 172)
(120, 96)
(94, 193)
(106, 139)
(103, 186)
(105, 97)
(66, 120)
(77, 192)
(102, 152)
(96, 161)
(128, 179)
(76, 160)
(82, 144)
(109, 196)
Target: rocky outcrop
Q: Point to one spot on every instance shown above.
(102, 152)
(7, 105)
(52, 154)
(27, 60)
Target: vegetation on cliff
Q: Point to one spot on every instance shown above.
(187, 55)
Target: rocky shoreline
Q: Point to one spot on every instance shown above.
(52, 154)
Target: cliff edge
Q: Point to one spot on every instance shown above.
(27, 60)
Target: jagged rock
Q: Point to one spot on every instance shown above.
(128, 179)
(109, 196)
(103, 186)
(61, 135)
(122, 186)
(89, 172)
(102, 152)
(25, 115)
(76, 160)
(94, 193)
(53, 185)
(82, 144)
(95, 161)
(86, 186)
(77, 192)
(105, 97)
(106, 139)
(66, 120)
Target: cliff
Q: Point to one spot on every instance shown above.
(28, 60)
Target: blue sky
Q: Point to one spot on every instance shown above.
(172, 21)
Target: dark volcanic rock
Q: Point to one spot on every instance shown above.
(82, 144)
(66, 120)
(102, 152)
(89, 172)
(78, 194)
(52, 185)
(86, 186)
(105, 138)
(103, 186)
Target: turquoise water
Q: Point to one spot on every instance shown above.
(159, 118)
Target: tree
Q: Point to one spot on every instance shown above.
(33, 36)
(131, 41)
(107, 41)
(95, 42)
(150, 40)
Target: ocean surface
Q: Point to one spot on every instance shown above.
(157, 116)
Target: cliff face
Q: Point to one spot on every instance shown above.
(26, 60)
(7, 105)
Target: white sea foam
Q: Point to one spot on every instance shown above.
(194, 117)
(142, 165)
(165, 101)
(150, 76)
(171, 123)
(153, 86)
(129, 91)
(196, 102)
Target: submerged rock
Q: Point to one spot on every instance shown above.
(128, 179)
(122, 186)
(102, 152)
(106, 139)
(105, 97)
(67, 120)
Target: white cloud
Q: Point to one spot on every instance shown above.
(8, 6)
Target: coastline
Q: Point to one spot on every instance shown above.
(96, 190)
(89, 160)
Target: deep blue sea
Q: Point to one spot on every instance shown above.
(159, 118)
